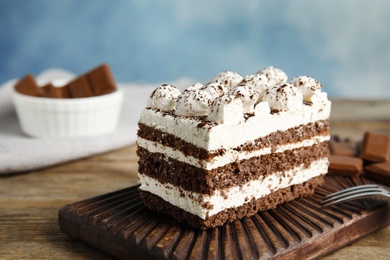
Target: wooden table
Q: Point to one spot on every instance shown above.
(29, 202)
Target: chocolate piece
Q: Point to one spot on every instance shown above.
(64, 92)
(345, 165)
(101, 80)
(376, 147)
(54, 92)
(379, 172)
(79, 88)
(344, 148)
(28, 86)
(98, 81)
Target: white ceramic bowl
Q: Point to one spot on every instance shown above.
(71, 117)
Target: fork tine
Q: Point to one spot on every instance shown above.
(355, 197)
(351, 189)
(347, 193)
(353, 193)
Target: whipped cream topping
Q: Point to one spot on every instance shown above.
(226, 109)
(193, 103)
(257, 83)
(164, 97)
(307, 85)
(215, 89)
(284, 97)
(275, 75)
(319, 99)
(195, 86)
(247, 97)
(228, 78)
(258, 93)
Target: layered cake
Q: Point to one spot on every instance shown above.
(225, 150)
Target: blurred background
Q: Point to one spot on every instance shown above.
(343, 44)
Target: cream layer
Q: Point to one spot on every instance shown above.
(214, 136)
(229, 156)
(232, 197)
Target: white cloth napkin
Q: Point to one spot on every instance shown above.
(21, 153)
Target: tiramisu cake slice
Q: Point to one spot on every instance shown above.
(228, 149)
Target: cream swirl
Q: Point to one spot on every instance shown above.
(193, 103)
(215, 89)
(275, 75)
(307, 85)
(257, 83)
(284, 97)
(195, 86)
(226, 109)
(247, 97)
(228, 78)
(164, 97)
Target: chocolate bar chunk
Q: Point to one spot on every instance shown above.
(376, 147)
(79, 88)
(64, 92)
(379, 172)
(28, 86)
(345, 148)
(54, 92)
(101, 80)
(345, 165)
(98, 81)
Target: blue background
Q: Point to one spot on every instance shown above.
(343, 44)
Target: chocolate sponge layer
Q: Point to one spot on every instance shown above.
(191, 178)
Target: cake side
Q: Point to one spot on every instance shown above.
(213, 149)
(207, 205)
(188, 177)
(158, 141)
(246, 209)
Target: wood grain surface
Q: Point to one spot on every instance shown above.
(29, 202)
(120, 224)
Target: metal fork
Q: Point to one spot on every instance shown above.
(354, 193)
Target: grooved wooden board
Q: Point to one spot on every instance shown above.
(119, 224)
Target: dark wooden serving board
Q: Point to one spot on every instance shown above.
(119, 224)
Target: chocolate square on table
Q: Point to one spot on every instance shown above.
(101, 80)
(28, 86)
(379, 172)
(345, 165)
(79, 88)
(344, 148)
(376, 147)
